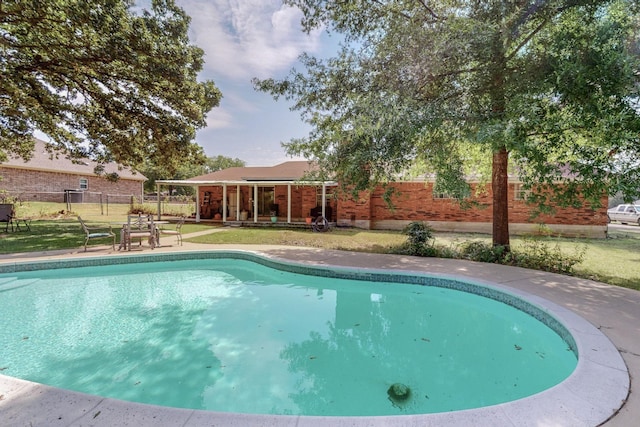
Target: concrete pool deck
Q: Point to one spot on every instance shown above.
(614, 311)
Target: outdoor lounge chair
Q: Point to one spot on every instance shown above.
(97, 233)
(175, 232)
(139, 227)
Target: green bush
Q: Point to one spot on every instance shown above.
(483, 252)
(537, 255)
(142, 209)
(532, 253)
(420, 240)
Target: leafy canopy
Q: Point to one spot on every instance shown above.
(102, 79)
(459, 87)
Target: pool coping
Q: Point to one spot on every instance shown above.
(589, 396)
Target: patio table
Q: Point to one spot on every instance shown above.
(123, 227)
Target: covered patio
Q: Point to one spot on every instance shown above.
(260, 195)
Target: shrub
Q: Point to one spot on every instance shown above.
(420, 240)
(533, 253)
(483, 252)
(537, 255)
(446, 252)
(141, 209)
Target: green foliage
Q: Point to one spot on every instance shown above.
(536, 254)
(214, 164)
(532, 253)
(483, 252)
(138, 208)
(419, 240)
(551, 85)
(121, 79)
(419, 233)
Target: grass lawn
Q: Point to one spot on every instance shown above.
(615, 260)
(54, 228)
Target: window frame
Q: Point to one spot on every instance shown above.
(519, 193)
(83, 183)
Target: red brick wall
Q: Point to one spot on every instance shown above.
(416, 203)
(49, 186)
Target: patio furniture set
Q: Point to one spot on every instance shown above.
(138, 227)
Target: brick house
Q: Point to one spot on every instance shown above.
(250, 194)
(48, 179)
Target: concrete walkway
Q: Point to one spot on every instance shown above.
(614, 311)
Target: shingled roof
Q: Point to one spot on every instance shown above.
(43, 161)
(287, 171)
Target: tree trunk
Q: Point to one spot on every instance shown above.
(500, 187)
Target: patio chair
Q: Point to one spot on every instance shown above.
(98, 232)
(177, 231)
(6, 213)
(139, 227)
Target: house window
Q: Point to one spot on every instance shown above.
(84, 184)
(520, 193)
(327, 194)
(442, 196)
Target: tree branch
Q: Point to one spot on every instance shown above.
(429, 10)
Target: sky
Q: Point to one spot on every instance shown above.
(243, 39)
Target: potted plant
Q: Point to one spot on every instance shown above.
(308, 220)
(274, 216)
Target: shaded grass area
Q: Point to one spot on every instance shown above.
(53, 227)
(51, 235)
(615, 260)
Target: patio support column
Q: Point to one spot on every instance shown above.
(289, 203)
(255, 203)
(158, 196)
(324, 199)
(197, 188)
(224, 203)
(238, 202)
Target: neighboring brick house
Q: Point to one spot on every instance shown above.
(43, 178)
(250, 193)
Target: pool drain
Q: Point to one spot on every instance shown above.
(399, 393)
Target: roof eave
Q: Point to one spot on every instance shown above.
(242, 182)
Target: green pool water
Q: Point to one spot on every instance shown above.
(235, 336)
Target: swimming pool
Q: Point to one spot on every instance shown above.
(346, 326)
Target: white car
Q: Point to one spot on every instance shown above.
(626, 214)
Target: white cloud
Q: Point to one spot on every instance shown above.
(248, 38)
(219, 118)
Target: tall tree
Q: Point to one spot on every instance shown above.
(550, 84)
(102, 79)
(213, 164)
